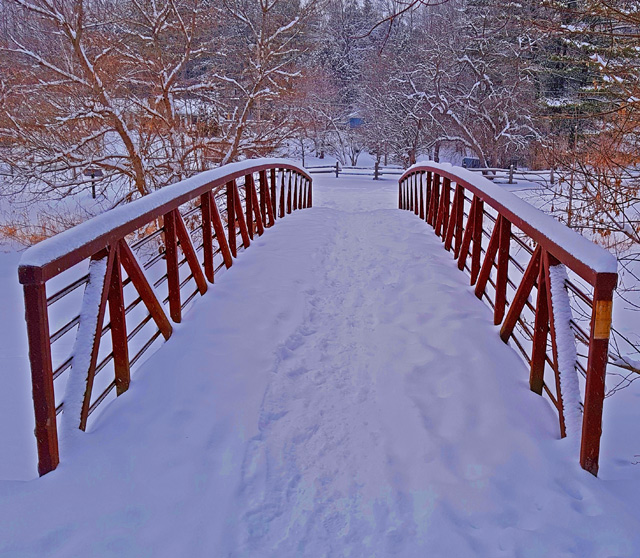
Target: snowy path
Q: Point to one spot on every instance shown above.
(339, 392)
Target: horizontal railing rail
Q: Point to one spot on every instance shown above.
(100, 295)
(337, 169)
(515, 255)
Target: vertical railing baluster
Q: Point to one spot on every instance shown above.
(596, 370)
(231, 219)
(173, 272)
(44, 403)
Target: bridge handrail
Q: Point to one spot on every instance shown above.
(574, 250)
(183, 217)
(502, 276)
(58, 253)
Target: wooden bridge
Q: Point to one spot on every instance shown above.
(102, 294)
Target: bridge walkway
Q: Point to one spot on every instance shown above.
(338, 392)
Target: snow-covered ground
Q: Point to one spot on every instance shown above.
(339, 392)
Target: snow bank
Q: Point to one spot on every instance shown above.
(82, 348)
(594, 256)
(53, 248)
(567, 354)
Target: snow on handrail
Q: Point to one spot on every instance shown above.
(44, 260)
(584, 256)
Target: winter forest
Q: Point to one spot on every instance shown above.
(124, 97)
(209, 371)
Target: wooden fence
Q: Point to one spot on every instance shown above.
(511, 251)
(136, 262)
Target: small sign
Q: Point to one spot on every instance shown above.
(602, 327)
(93, 172)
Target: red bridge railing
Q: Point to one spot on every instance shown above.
(135, 262)
(512, 253)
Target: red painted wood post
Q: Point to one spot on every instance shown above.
(117, 318)
(142, 286)
(44, 403)
(502, 271)
(459, 219)
(109, 254)
(282, 195)
(489, 258)
(477, 241)
(596, 370)
(207, 235)
(522, 294)
(540, 332)
(231, 219)
(400, 194)
(190, 252)
(428, 198)
(256, 207)
(289, 193)
(295, 193)
(310, 194)
(447, 205)
(218, 228)
(272, 182)
(421, 196)
(173, 273)
(416, 208)
(300, 191)
(435, 199)
(453, 222)
(271, 217)
(264, 192)
(248, 204)
(468, 235)
(244, 233)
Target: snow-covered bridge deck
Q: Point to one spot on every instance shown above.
(339, 392)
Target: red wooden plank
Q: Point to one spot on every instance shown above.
(264, 191)
(477, 241)
(458, 219)
(274, 205)
(256, 207)
(596, 372)
(421, 196)
(416, 208)
(207, 235)
(173, 272)
(468, 232)
(248, 204)
(502, 271)
(91, 372)
(271, 218)
(453, 222)
(218, 228)
(522, 294)
(540, 332)
(244, 233)
(301, 189)
(295, 193)
(282, 196)
(309, 193)
(231, 218)
(190, 253)
(44, 403)
(117, 319)
(289, 195)
(142, 286)
(429, 200)
(489, 258)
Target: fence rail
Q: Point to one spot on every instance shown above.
(510, 251)
(376, 171)
(137, 267)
